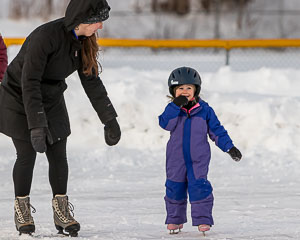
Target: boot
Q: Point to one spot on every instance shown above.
(63, 216)
(23, 219)
(174, 228)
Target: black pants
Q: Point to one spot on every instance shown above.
(23, 168)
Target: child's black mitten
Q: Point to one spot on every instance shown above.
(112, 132)
(235, 154)
(181, 101)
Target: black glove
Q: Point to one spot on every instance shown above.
(112, 132)
(39, 136)
(181, 101)
(235, 154)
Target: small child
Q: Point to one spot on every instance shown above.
(190, 120)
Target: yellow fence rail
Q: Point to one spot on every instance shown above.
(186, 43)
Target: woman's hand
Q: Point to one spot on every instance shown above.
(112, 132)
(39, 136)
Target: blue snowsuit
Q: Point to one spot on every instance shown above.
(188, 156)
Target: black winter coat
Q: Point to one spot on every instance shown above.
(31, 93)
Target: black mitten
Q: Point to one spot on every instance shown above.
(112, 132)
(181, 101)
(39, 136)
(235, 154)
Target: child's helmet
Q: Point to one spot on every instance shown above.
(184, 75)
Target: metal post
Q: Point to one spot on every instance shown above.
(227, 57)
(217, 19)
(280, 19)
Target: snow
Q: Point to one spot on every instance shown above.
(118, 191)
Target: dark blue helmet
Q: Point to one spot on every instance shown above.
(184, 75)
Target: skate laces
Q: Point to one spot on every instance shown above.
(27, 212)
(71, 209)
(67, 209)
(25, 208)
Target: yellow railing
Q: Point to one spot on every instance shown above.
(210, 43)
(186, 43)
(13, 41)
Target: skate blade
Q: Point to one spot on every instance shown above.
(25, 233)
(61, 232)
(73, 234)
(67, 234)
(175, 231)
(27, 230)
(203, 233)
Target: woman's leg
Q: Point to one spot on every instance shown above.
(58, 167)
(58, 177)
(22, 176)
(23, 168)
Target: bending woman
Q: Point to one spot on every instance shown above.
(33, 110)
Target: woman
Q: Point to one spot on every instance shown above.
(3, 58)
(32, 106)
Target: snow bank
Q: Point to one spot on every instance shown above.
(259, 108)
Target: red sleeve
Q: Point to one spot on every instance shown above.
(3, 58)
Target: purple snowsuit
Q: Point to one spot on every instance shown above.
(188, 157)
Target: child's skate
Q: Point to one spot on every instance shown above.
(63, 216)
(174, 228)
(23, 219)
(203, 228)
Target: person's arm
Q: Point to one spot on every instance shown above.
(217, 132)
(39, 47)
(168, 119)
(3, 58)
(97, 94)
(219, 135)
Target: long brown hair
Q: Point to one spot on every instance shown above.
(89, 54)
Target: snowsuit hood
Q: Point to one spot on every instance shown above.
(78, 11)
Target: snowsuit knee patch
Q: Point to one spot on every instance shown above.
(199, 189)
(176, 190)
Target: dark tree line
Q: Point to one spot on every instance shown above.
(217, 8)
(33, 8)
(173, 6)
(182, 7)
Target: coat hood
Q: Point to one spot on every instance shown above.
(79, 11)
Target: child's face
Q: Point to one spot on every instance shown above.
(187, 90)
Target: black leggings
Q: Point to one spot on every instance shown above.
(23, 168)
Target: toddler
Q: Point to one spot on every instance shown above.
(190, 120)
